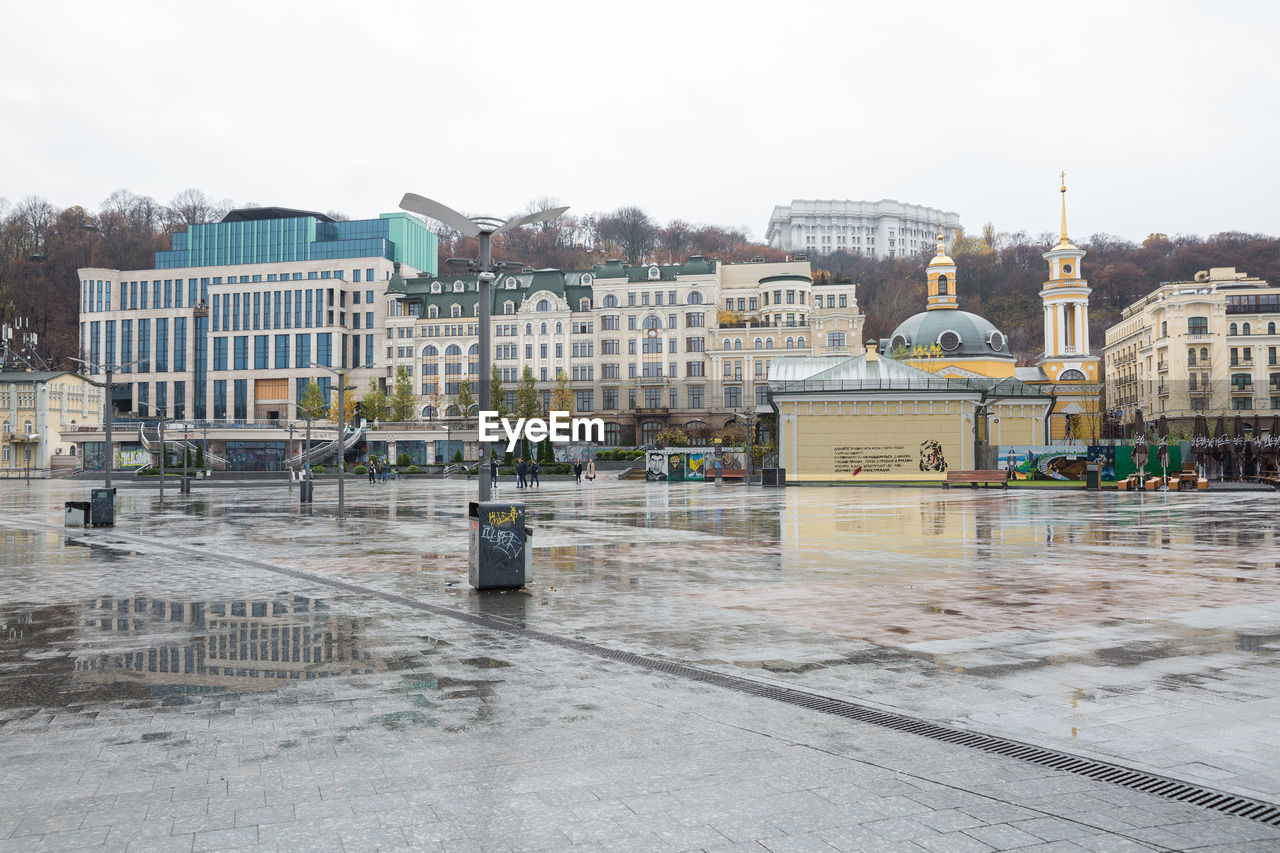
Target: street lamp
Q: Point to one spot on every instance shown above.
(108, 415)
(483, 228)
(341, 373)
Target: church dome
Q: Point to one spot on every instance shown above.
(959, 334)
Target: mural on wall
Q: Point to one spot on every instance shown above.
(931, 458)
(1057, 462)
(655, 466)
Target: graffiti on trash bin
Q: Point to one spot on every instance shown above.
(504, 541)
(502, 518)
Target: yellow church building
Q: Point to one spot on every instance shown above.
(946, 394)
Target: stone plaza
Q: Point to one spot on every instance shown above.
(692, 667)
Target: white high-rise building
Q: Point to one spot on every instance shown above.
(877, 229)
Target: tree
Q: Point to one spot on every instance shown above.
(193, 207)
(466, 399)
(497, 394)
(527, 403)
(312, 405)
(348, 402)
(402, 402)
(374, 403)
(632, 230)
(562, 395)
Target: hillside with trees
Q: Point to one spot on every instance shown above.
(999, 274)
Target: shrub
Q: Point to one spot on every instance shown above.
(412, 469)
(317, 469)
(457, 456)
(360, 469)
(403, 459)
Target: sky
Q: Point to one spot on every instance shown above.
(1162, 114)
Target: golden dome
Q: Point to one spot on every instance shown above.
(941, 259)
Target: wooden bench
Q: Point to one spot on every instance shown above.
(973, 478)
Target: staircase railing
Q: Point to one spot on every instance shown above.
(325, 450)
(149, 437)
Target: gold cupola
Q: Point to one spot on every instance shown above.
(942, 280)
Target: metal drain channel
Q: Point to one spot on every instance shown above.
(1126, 777)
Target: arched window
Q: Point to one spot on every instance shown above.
(759, 343)
(543, 305)
(453, 412)
(584, 304)
(455, 310)
(435, 287)
(559, 328)
(430, 351)
(429, 413)
(433, 312)
(737, 343)
(800, 342)
(1231, 329)
(942, 285)
(457, 287)
(791, 343)
(728, 344)
(528, 328)
(610, 301)
(768, 343)
(508, 307)
(1271, 328)
(543, 329)
(1191, 357)
(695, 298)
(1204, 353)
(452, 349)
(652, 322)
(1072, 375)
(1244, 330)
(473, 360)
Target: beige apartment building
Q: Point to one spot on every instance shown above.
(642, 346)
(1203, 347)
(36, 408)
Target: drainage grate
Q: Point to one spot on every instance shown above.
(1127, 777)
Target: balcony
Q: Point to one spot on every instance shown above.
(1163, 391)
(651, 411)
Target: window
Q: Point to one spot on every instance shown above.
(942, 285)
(242, 352)
(733, 397)
(835, 339)
(609, 301)
(695, 368)
(1231, 329)
(695, 319)
(543, 305)
(585, 401)
(1197, 325)
(609, 323)
(695, 344)
(1191, 357)
(1244, 330)
(695, 398)
(610, 399)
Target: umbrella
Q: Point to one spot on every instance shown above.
(1200, 438)
(1162, 427)
(1139, 429)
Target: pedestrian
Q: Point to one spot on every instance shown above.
(493, 472)
(521, 470)
(591, 470)
(534, 467)
(577, 471)
(373, 467)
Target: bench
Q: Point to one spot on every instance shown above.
(973, 478)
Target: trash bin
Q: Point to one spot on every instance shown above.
(1093, 476)
(500, 555)
(304, 490)
(77, 513)
(102, 512)
(773, 477)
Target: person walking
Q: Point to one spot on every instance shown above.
(521, 470)
(534, 467)
(577, 471)
(493, 472)
(373, 469)
(591, 470)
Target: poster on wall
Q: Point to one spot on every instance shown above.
(873, 462)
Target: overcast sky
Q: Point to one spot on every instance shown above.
(1163, 114)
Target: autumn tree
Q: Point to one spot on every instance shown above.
(402, 402)
(562, 395)
(374, 403)
(347, 401)
(497, 394)
(528, 405)
(466, 398)
(312, 405)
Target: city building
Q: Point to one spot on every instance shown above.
(228, 323)
(1202, 347)
(877, 229)
(37, 407)
(642, 347)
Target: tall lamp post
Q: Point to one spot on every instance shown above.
(108, 415)
(341, 373)
(483, 228)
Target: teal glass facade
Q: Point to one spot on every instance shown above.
(394, 236)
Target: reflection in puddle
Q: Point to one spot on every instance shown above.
(150, 648)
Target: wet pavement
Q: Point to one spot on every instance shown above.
(228, 671)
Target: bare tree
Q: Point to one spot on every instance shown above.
(193, 207)
(633, 231)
